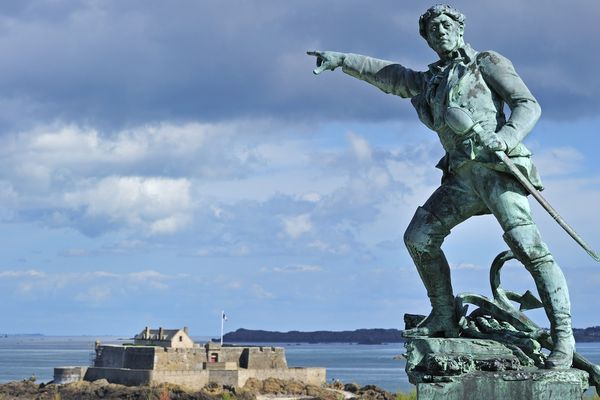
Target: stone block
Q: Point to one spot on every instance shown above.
(63, 375)
(430, 358)
(476, 369)
(227, 366)
(535, 384)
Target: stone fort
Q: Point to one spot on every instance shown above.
(171, 356)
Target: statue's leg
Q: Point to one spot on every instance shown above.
(447, 207)
(527, 245)
(423, 239)
(507, 200)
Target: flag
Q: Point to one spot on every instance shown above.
(224, 316)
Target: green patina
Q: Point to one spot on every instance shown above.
(477, 174)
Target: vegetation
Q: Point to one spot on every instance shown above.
(406, 396)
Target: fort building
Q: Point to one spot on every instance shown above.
(171, 356)
(176, 338)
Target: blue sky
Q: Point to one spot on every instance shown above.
(163, 161)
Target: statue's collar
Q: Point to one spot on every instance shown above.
(464, 54)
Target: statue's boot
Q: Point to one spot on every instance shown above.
(442, 321)
(423, 239)
(552, 287)
(526, 243)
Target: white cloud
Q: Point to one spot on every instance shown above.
(338, 248)
(34, 279)
(32, 273)
(235, 285)
(559, 161)
(71, 145)
(168, 225)
(311, 197)
(94, 295)
(297, 226)
(260, 292)
(230, 250)
(360, 146)
(298, 268)
(160, 205)
(151, 278)
(466, 266)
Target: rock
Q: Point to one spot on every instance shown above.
(83, 390)
(294, 387)
(320, 393)
(372, 392)
(243, 394)
(273, 386)
(336, 384)
(351, 387)
(254, 385)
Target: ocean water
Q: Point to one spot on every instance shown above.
(24, 356)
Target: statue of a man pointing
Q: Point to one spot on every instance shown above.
(475, 181)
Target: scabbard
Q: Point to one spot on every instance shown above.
(544, 203)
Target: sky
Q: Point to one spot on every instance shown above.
(163, 161)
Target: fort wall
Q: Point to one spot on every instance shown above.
(312, 376)
(264, 358)
(194, 380)
(128, 377)
(192, 367)
(178, 359)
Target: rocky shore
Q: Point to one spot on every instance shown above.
(253, 390)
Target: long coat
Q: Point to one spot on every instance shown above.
(481, 83)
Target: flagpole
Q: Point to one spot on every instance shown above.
(222, 322)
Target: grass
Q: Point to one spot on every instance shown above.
(406, 396)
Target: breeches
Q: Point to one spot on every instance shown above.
(476, 190)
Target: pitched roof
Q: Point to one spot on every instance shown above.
(167, 334)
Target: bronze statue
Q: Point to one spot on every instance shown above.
(475, 181)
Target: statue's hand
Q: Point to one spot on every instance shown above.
(327, 60)
(492, 142)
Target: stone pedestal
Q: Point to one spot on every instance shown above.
(473, 369)
(514, 385)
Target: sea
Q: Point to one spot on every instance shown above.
(23, 357)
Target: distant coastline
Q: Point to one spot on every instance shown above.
(362, 336)
(359, 336)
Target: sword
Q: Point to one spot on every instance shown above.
(461, 122)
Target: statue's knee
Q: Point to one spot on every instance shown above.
(527, 245)
(415, 239)
(424, 234)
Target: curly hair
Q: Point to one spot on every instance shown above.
(437, 10)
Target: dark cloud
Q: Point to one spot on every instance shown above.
(111, 64)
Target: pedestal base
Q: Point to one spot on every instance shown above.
(477, 369)
(513, 385)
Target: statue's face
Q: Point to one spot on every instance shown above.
(444, 34)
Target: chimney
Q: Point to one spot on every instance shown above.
(185, 329)
(146, 334)
(160, 333)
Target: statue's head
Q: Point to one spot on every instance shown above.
(443, 28)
